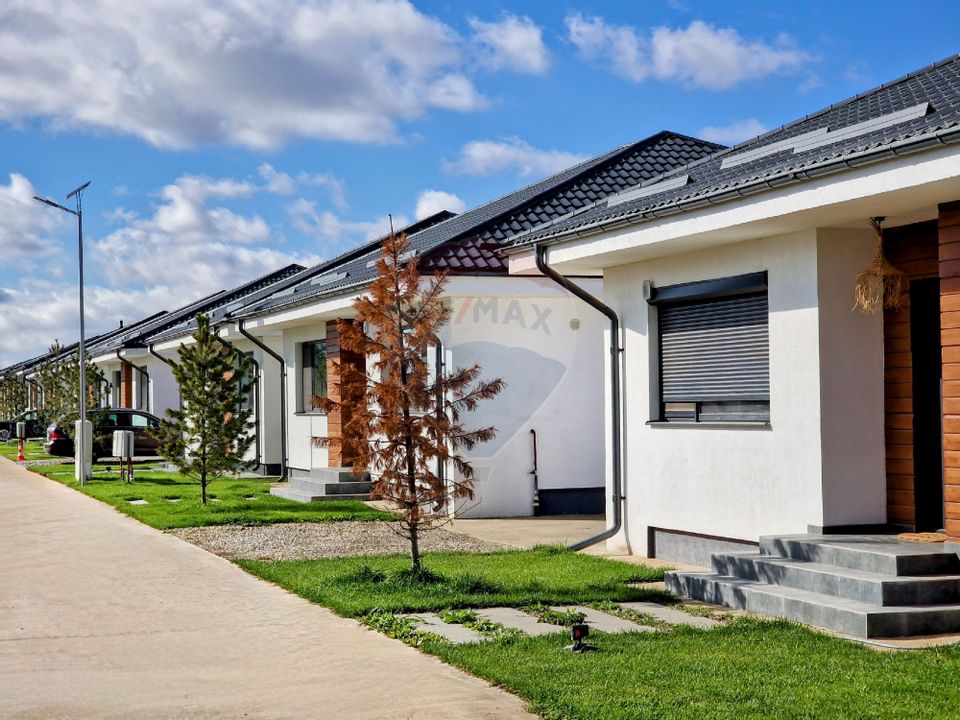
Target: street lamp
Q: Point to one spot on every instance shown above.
(80, 451)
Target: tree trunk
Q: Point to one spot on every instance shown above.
(203, 489)
(415, 549)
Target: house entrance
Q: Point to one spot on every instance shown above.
(927, 415)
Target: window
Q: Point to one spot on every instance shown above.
(143, 389)
(249, 380)
(138, 421)
(115, 391)
(714, 350)
(313, 380)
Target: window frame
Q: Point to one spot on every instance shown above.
(695, 293)
(308, 390)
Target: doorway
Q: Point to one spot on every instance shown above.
(927, 415)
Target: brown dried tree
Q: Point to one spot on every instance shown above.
(402, 422)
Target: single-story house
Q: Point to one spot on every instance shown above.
(138, 365)
(539, 338)
(753, 397)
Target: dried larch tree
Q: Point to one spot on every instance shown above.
(403, 422)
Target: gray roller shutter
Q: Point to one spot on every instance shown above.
(715, 350)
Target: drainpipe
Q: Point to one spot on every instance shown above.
(616, 495)
(160, 357)
(256, 367)
(283, 395)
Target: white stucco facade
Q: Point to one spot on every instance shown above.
(548, 347)
(821, 459)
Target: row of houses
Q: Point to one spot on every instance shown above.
(675, 323)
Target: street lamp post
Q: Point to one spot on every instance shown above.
(80, 449)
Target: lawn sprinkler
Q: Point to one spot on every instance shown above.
(579, 633)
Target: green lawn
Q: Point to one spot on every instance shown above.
(356, 586)
(747, 669)
(32, 450)
(238, 501)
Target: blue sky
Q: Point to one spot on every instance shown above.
(227, 138)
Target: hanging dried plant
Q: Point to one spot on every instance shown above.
(881, 285)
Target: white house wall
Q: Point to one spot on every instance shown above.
(743, 482)
(302, 425)
(548, 347)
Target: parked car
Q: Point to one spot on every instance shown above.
(36, 423)
(104, 423)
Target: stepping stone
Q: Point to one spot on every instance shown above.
(671, 615)
(605, 622)
(172, 499)
(457, 634)
(513, 618)
(138, 502)
(249, 497)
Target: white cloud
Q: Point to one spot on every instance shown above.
(430, 202)
(487, 157)
(514, 43)
(336, 233)
(25, 224)
(188, 246)
(700, 55)
(281, 183)
(733, 133)
(178, 73)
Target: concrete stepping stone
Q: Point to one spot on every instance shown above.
(172, 500)
(138, 502)
(457, 634)
(605, 622)
(671, 615)
(513, 618)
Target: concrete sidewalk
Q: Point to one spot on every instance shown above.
(103, 617)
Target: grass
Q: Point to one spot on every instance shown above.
(747, 669)
(32, 450)
(549, 575)
(238, 501)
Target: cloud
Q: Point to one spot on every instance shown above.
(487, 157)
(25, 225)
(189, 245)
(733, 133)
(701, 55)
(281, 183)
(178, 73)
(514, 43)
(430, 202)
(335, 233)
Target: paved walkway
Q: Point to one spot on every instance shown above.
(102, 617)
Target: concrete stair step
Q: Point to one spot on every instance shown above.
(852, 584)
(873, 553)
(336, 475)
(849, 617)
(323, 487)
(290, 493)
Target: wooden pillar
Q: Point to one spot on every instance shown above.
(339, 455)
(949, 244)
(126, 386)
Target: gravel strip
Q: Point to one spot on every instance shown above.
(303, 541)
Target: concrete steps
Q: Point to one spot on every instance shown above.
(865, 586)
(324, 484)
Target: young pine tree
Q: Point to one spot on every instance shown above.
(14, 397)
(59, 376)
(402, 424)
(208, 436)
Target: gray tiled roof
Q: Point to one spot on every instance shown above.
(471, 242)
(823, 148)
(140, 334)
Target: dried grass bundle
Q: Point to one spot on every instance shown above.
(881, 285)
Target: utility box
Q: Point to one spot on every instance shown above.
(123, 444)
(21, 431)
